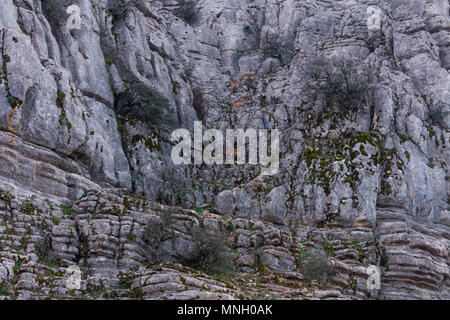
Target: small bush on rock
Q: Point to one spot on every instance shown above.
(439, 111)
(272, 49)
(210, 253)
(43, 248)
(343, 84)
(44, 251)
(317, 268)
(187, 11)
(147, 105)
(154, 234)
(199, 104)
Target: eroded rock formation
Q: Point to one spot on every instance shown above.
(82, 180)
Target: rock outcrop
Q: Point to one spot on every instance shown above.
(86, 172)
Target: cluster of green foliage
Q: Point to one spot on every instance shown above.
(4, 289)
(328, 247)
(320, 155)
(27, 208)
(68, 210)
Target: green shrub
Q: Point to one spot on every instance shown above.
(328, 247)
(13, 101)
(303, 255)
(317, 268)
(147, 105)
(4, 289)
(68, 210)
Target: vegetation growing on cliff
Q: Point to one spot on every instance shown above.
(343, 85)
(146, 104)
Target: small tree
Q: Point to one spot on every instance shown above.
(187, 11)
(343, 84)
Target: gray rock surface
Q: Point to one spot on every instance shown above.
(370, 188)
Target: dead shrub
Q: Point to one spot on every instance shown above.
(210, 252)
(343, 84)
(187, 11)
(148, 105)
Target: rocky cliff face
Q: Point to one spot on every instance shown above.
(86, 173)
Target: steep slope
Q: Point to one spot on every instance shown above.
(365, 186)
